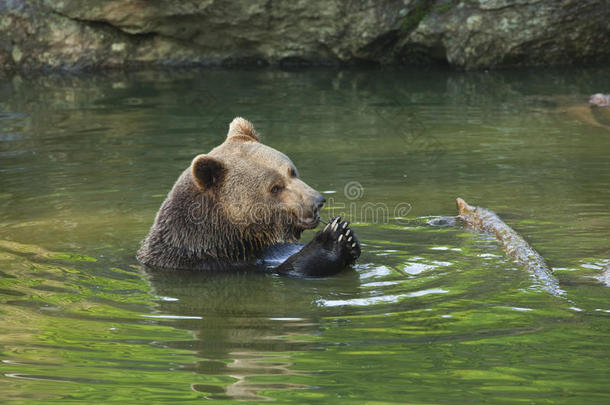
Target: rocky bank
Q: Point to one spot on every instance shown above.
(465, 34)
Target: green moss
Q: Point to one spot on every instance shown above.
(443, 7)
(416, 15)
(424, 8)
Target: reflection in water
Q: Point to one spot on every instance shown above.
(432, 312)
(247, 324)
(249, 364)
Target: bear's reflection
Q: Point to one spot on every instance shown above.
(242, 321)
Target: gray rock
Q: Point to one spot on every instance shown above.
(469, 34)
(478, 34)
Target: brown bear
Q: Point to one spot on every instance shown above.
(243, 205)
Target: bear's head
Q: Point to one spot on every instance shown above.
(232, 202)
(257, 187)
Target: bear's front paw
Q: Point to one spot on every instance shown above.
(338, 237)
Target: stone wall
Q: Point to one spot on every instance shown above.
(466, 34)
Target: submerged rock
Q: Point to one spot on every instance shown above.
(470, 34)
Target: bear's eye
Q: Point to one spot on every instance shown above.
(292, 172)
(276, 189)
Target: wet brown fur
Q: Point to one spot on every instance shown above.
(209, 216)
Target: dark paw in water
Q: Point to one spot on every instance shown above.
(328, 253)
(338, 238)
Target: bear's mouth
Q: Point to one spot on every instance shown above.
(309, 223)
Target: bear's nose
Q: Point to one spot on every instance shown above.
(320, 200)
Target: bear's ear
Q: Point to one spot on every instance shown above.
(208, 172)
(242, 130)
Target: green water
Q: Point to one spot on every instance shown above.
(429, 315)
